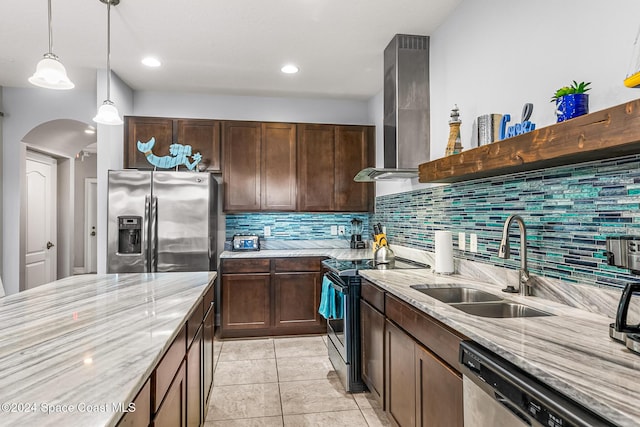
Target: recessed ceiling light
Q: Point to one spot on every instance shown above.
(151, 62)
(289, 69)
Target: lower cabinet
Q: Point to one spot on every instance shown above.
(372, 348)
(271, 296)
(173, 410)
(407, 359)
(421, 389)
(178, 391)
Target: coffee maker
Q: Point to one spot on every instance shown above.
(356, 234)
(624, 252)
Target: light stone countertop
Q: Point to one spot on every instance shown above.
(79, 345)
(570, 351)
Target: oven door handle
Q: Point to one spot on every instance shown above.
(335, 284)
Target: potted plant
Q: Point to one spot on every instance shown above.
(571, 101)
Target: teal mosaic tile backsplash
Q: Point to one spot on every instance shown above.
(568, 212)
(293, 226)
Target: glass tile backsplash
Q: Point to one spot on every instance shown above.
(294, 226)
(568, 212)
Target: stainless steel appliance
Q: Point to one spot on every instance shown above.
(161, 221)
(245, 242)
(497, 393)
(624, 252)
(344, 333)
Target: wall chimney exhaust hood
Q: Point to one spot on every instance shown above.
(406, 109)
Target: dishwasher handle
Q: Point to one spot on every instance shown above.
(511, 407)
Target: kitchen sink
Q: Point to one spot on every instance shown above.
(456, 294)
(502, 309)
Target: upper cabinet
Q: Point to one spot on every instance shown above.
(259, 166)
(241, 170)
(202, 135)
(288, 167)
(328, 159)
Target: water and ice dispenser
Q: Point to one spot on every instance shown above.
(129, 234)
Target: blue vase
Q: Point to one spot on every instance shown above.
(573, 105)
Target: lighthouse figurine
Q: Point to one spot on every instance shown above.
(454, 146)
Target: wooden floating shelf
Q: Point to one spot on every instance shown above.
(603, 134)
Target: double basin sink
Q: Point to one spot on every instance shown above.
(478, 302)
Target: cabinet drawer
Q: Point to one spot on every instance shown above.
(208, 298)
(246, 265)
(168, 367)
(428, 331)
(373, 295)
(298, 264)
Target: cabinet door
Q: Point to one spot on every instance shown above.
(439, 392)
(297, 298)
(207, 358)
(400, 378)
(204, 137)
(173, 411)
(352, 155)
(372, 348)
(278, 167)
(316, 167)
(194, 382)
(246, 301)
(143, 129)
(241, 153)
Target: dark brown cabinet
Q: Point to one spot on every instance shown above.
(278, 167)
(241, 166)
(328, 158)
(259, 166)
(316, 167)
(202, 135)
(173, 411)
(246, 301)
(439, 391)
(178, 391)
(400, 378)
(421, 389)
(271, 296)
(372, 349)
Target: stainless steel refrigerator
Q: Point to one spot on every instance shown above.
(161, 221)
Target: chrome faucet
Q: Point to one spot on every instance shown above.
(505, 250)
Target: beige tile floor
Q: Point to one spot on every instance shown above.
(284, 382)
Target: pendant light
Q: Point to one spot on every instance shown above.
(50, 73)
(108, 113)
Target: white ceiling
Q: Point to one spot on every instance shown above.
(214, 46)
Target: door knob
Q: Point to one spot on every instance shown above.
(50, 245)
(93, 231)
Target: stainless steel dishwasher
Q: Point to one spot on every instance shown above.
(497, 393)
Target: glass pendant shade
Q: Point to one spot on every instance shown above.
(108, 114)
(51, 74)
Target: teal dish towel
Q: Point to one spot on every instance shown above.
(336, 304)
(326, 298)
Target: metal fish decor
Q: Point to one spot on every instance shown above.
(179, 155)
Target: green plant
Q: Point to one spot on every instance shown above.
(576, 87)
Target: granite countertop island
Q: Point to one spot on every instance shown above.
(570, 351)
(76, 351)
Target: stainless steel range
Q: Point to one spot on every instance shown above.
(344, 332)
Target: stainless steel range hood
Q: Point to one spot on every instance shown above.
(406, 109)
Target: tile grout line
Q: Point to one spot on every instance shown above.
(275, 356)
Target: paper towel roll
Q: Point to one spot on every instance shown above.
(444, 252)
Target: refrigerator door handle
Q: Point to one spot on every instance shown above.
(145, 231)
(153, 241)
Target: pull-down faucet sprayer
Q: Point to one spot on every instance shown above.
(505, 249)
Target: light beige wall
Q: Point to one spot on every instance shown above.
(84, 169)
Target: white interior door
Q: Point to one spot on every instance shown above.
(40, 227)
(90, 224)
